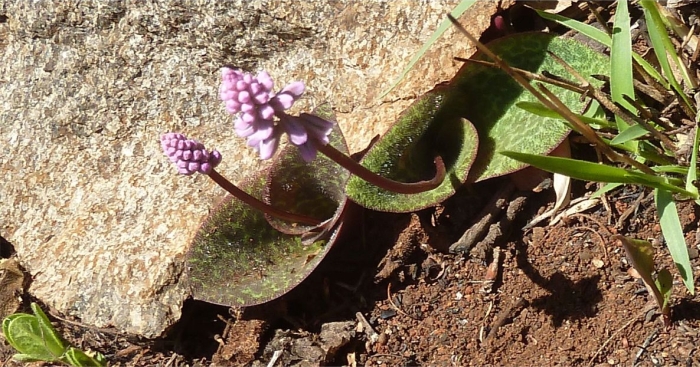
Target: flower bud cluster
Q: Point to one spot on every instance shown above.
(189, 156)
(254, 104)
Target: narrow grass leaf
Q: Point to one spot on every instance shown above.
(603, 38)
(673, 234)
(671, 169)
(621, 79)
(663, 48)
(588, 171)
(691, 180)
(456, 12)
(606, 188)
(583, 28)
(631, 133)
(577, 169)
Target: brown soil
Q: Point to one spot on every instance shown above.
(559, 295)
(390, 293)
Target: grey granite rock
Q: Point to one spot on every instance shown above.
(96, 213)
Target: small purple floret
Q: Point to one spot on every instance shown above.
(189, 156)
(305, 131)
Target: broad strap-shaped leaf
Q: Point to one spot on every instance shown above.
(641, 256)
(432, 126)
(78, 358)
(238, 259)
(315, 189)
(664, 283)
(673, 234)
(25, 333)
(52, 340)
(492, 96)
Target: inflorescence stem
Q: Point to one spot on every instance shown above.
(383, 182)
(259, 205)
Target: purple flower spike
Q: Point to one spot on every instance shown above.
(189, 156)
(249, 96)
(252, 101)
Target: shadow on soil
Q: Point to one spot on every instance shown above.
(686, 310)
(568, 300)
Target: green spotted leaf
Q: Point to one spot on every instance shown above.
(479, 99)
(238, 259)
(430, 127)
(492, 96)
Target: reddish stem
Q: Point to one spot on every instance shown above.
(259, 205)
(383, 182)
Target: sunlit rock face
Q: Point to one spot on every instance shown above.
(96, 212)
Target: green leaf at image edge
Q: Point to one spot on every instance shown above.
(673, 234)
(53, 341)
(25, 334)
(78, 358)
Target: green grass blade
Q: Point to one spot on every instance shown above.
(606, 188)
(631, 133)
(603, 38)
(583, 28)
(588, 171)
(663, 48)
(621, 79)
(673, 233)
(691, 180)
(456, 12)
(577, 169)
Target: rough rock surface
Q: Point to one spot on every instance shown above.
(96, 213)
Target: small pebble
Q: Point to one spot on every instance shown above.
(387, 314)
(598, 263)
(383, 338)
